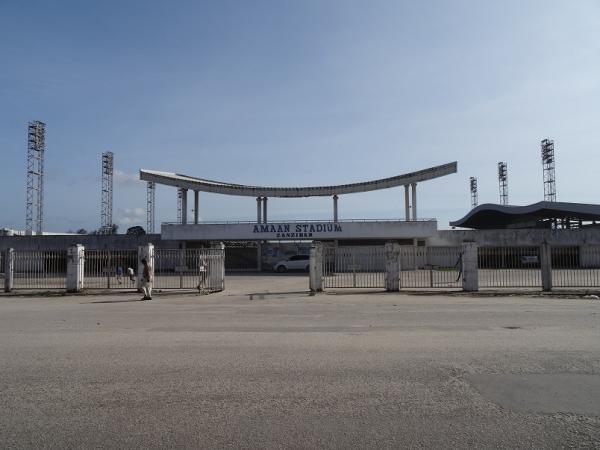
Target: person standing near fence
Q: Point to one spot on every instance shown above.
(147, 281)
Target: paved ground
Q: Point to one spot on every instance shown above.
(288, 370)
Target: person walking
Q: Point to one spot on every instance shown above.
(147, 280)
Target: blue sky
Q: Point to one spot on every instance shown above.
(297, 93)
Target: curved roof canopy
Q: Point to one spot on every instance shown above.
(492, 216)
(218, 187)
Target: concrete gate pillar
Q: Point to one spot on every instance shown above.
(9, 263)
(316, 267)
(470, 274)
(546, 266)
(144, 252)
(392, 266)
(75, 268)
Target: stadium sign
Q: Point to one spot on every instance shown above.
(390, 229)
(295, 231)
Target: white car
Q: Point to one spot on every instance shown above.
(296, 262)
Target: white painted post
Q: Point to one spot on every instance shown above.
(9, 264)
(546, 266)
(470, 275)
(144, 252)
(316, 267)
(75, 268)
(392, 266)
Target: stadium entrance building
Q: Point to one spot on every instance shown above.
(263, 230)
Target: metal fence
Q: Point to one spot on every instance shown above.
(509, 267)
(430, 267)
(576, 266)
(109, 269)
(40, 269)
(354, 267)
(201, 269)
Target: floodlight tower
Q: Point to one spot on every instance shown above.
(150, 202)
(548, 170)
(503, 182)
(179, 205)
(106, 215)
(34, 206)
(474, 194)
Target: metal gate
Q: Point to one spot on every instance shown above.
(40, 269)
(430, 267)
(201, 269)
(509, 267)
(354, 267)
(576, 266)
(109, 269)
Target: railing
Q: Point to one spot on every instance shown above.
(430, 267)
(77, 269)
(509, 267)
(354, 267)
(110, 269)
(40, 269)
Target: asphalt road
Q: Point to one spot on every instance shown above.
(281, 369)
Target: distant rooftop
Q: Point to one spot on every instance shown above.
(537, 215)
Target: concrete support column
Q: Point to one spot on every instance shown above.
(196, 206)
(406, 203)
(316, 267)
(265, 209)
(470, 277)
(258, 209)
(392, 266)
(75, 268)
(184, 206)
(414, 201)
(9, 264)
(335, 208)
(546, 266)
(144, 252)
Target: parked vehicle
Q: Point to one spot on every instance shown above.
(296, 262)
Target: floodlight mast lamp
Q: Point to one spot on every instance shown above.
(106, 213)
(503, 182)
(548, 167)
(34, 206)
(474, 193)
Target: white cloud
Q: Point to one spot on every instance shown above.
(126, 179)
(131, 216)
